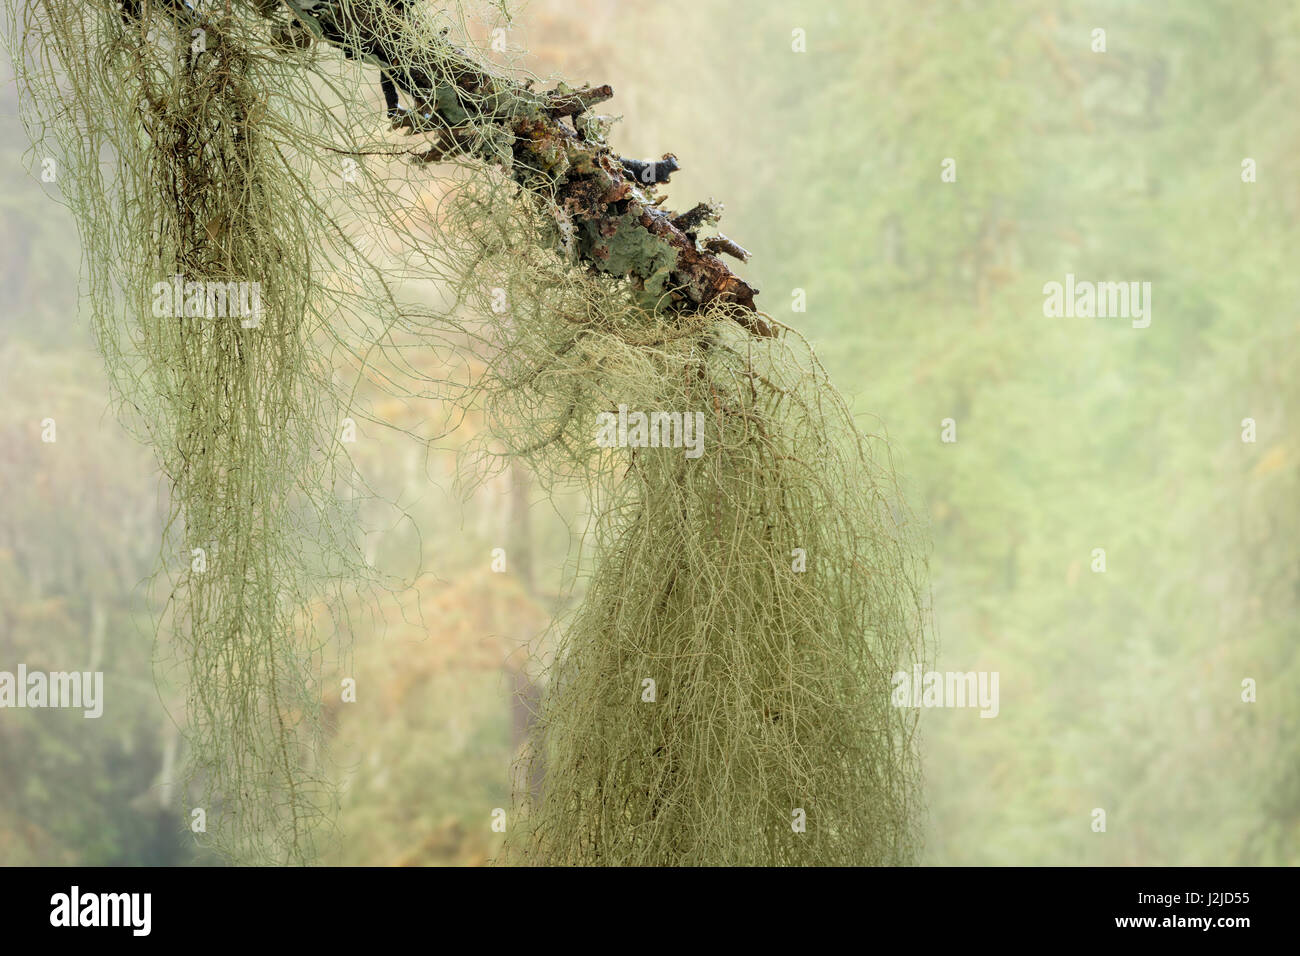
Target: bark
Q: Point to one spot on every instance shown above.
(607, 204)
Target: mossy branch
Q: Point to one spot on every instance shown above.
(606, 207)
(775, 674)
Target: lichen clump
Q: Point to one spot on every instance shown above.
(767, 587)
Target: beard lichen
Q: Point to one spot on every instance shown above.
(768, 588)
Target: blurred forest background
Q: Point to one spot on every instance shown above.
(1119, 690)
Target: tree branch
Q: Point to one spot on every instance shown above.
(619, 226)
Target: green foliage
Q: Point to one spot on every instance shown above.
(1119, 690)
(78, 532)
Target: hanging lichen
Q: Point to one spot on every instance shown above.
(764, 584)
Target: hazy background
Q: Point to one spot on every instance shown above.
(1120, 690)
